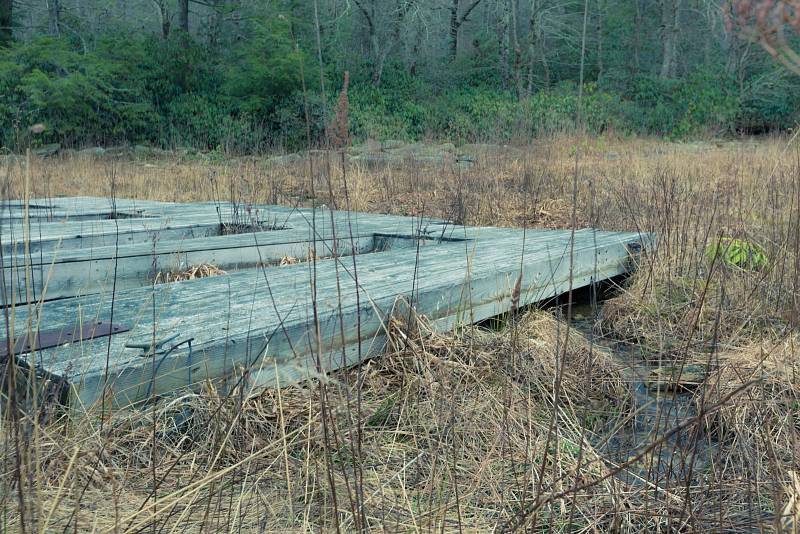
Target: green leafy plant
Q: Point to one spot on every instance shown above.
(737, 253)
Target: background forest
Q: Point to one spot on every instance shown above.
(228, 75)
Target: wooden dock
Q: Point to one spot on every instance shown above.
(83, 264)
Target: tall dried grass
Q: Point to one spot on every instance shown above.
(475, 430)
(203, 270)
(454, 432)
(758, 430)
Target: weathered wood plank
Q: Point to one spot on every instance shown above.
(262, 319)
(64, 273)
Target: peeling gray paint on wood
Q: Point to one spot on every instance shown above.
(259, 316)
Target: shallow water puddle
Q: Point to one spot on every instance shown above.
(672, 449)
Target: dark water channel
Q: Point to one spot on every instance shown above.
(660, 443)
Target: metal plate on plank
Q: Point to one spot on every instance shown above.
(46, 339)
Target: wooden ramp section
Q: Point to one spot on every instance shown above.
(303, 291)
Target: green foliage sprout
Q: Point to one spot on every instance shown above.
(737, 253)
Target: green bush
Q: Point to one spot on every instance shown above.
(382, 114)
(709, 104)
(168, 93)
(180, 92)
(195, 120)
(264, 70)
(79, 97)
(770, 102)
(474, 115)
(702, 102)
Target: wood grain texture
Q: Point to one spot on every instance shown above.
(259, 317)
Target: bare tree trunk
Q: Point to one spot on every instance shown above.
(517, 50)
(600, 15)
(183, 15)
(381, 44)
(214, 24)
(670, 30)
(737, 53)
(533, 38)
(711, 13)
(545, 64)
(456, 21)
(164, 17)
(236, 18)
(165, 24)
(637, 36)
(6, 20)
(83, 10)
(454, 30)
(412, 68)
(378, 61)
(503, 41)
(53, 14)
(734, 48)
(372, 36)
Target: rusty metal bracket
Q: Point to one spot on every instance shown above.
(46, 339)
(634, 247)
(150, 346)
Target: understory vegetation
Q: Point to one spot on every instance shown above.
(544, 421)
(173, 94)
(239, 78)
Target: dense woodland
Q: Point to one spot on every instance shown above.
(244, 75)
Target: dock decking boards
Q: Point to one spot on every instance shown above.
(83, 263)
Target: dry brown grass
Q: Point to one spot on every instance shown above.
(475, 429)
(758, 431)
(682, 317)
(769, 409)
(454, 429)
(203, 270)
